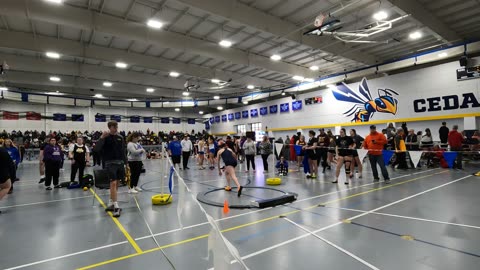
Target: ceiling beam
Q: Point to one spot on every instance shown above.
(425, 17)
(73, 48)
(241, 13)
(90, 20)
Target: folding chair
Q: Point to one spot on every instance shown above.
(101, 181)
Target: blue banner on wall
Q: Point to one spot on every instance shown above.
(148, 120)
(176, 120)
(165, 120)
(297, 105)
(244, 114)
(207, 125)
(253, 112)
(212, 120)
(217, 119)
(238, 115)
(78, 118)
(224, 118)
(59, 117)
(284, 107)
(230, 117)
(273, 109)
(117, 118)
(100, 118)
(263, 111)
(191, 121)
(134, 119)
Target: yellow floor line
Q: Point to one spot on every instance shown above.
(251, 223)
(119, 225)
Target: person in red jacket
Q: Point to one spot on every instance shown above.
(375, 142)
(455, 140)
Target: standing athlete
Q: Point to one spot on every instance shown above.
(230, 160)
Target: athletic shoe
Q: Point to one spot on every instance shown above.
(132, 191)
(387, 181)
(117, 212)
(346, 183)
(228, 188)
(49, 188)
(41, 180)
(376, 180)
(110, 208)
(307, 175)
(201, 168)
(360, 176)
(57, 186)
(239, 191)
(138, 189)
(334, 182)
(313, 176)
(187, 168)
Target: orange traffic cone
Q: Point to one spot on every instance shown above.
(226, 209)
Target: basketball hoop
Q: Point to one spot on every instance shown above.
(319, 20)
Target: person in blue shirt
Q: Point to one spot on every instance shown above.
(175, 151)
(282, 166)
(15, 155)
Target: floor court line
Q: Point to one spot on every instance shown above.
(241, 226)
(350, 219)
(204, 223)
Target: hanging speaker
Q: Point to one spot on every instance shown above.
(463, 61)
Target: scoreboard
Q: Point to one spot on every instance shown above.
(313, 100)
(468, 73)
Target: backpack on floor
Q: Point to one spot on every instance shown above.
(74, 185)
(64, 184)
(86, 181)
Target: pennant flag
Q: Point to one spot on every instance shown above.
(100, 118)
(134, 119)
(170, 180)
(361, 154)
(176, 120)
(273, 109)
(191, 121)
(148, 120)
(165, 120)
(284, 107)
(298, 149)
(59, 117)
(24, 97)
(278, 148)
(230, 117)
(244, 114)
(77, 117)
(224, 118)
(253, 112)
(238, 115)
(387, 155)
(263, 111)
(415, 157)
(450, 158)
(207, 125)
(34, 116)
(117, 118)
(217, 119)
(10, 115)
(297, 105)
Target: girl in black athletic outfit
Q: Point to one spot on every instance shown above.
(7, 169)
(230, 160)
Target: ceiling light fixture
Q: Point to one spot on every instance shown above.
(55, 1)
(3, 88)
(177, 109)
(380, 16)
(186, 93)
(215, 81)
(200, 112)
(314, 68)
(216, 97)
(443, 54)
(56, 93)
(283, 93)
(154, 24)
(166, 102)
(55, 79)
(132, 99)
(107, 84)
(251, 87)
(120, 65)
(225, 43)
(53, 55)
(276, 57)
(174, 74)
(150, 90)
(415, 35)
(245, 102)
(219, 108)
(310, 80)
(298, 78)
(98, 96)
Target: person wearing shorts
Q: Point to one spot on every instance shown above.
(211, 152)
(230, 160)
(114, 151)
(345, 144)
(201, 153)
(7, 167)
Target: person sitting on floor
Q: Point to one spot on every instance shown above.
(282, 166)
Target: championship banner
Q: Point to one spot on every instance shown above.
(297, 105)
(273, 109)
(284, 107)
(34, 116)
(263, 111)
(59, 117)
(253, 112)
